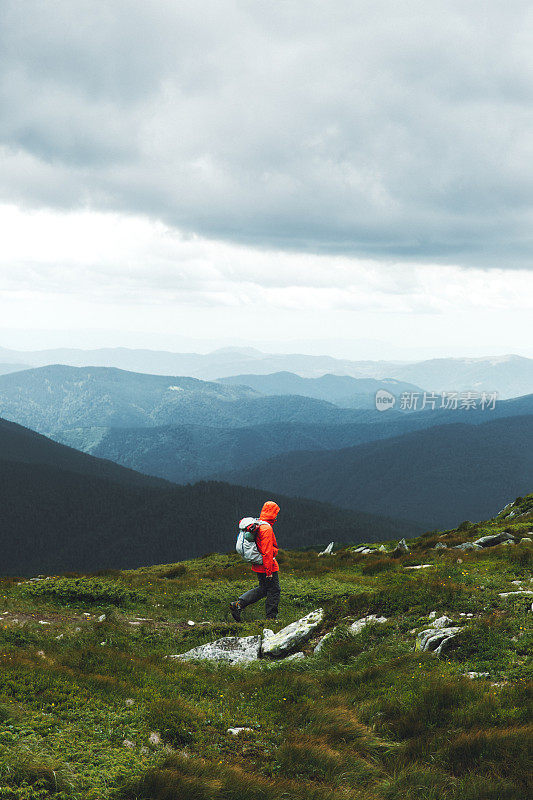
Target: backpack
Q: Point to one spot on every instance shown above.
(246, 545)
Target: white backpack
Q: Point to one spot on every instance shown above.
(246, 545)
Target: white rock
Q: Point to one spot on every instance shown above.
(231, 649)
(295, 656)
(514, 594)
(441, 622)
(43, 622)
(293, 635)
(382, 548)
(358, 625)
(474, 675)
(436, 641)
(420, 566)
(101, 618)
(154, 738)
(526, 540)
(494, 539)
(61, 635)
(129, 701)
(432, 615)
(130, 745)
(328, 551)
(321, 642)
(190, 622)
(236, 731)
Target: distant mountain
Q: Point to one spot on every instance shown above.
(67, 511)
(24, 446)
(342, 390)
(437, 477)
(54, 398)
(510, 375)
(185, 453)
(5, 368)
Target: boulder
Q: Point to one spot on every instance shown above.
(231, 649)
(382, 548)
(237, 731)
(328, 550)
(358, 625)
(436, 640)
(494, 539)
(526, 540)
(440, 546)
(292, 636)
(320, 644)
(467, 546)
(401, 549)
(364, 550)
(441, 622)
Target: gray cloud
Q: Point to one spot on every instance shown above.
(397, 131)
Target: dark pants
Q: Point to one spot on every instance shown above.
(269, 588)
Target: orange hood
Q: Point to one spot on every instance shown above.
(270, 511)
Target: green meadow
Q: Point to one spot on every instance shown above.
(91, 708)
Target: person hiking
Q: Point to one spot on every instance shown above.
(267, 572)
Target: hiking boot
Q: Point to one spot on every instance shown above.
(235, 610)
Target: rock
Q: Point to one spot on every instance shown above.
(432, 615)
(467, 546)
(358, 625)
(526, 540)
(401, 549)
(61, 635)
(420, 566)
(154, 738)
(436, 641)
(518, 592)
(320, 644)
(130, 745)
(236, 731)
(474, 675)
(293, 635)
(190, 622)
(101, 618)
(41, 653)
(441, 622)
(295, 656)
(494, 539)
(328, 551)
(129, 701)
(440, 546)
(231, 649)
(364, 550)
(382, 548)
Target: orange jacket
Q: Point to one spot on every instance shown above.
(266, 541)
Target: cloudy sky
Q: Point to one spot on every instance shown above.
(347, 176)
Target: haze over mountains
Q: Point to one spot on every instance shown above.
(64, 510)
(510, 375)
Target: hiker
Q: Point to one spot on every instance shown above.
(267, 571)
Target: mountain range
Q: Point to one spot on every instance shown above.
(510, 375)
(438, 477)
(65, 510)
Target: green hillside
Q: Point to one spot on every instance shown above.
(91, 708)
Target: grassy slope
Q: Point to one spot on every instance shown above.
(369, 718)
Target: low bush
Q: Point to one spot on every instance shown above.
(84, 590)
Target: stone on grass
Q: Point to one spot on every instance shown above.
(436, 640)
(401, 549)
(420, 566)
(129, 744)
(101, 618)
(321, 642)
(328, 551)
(155, 738)
(467, 546)
(526, 540)
(358, 625)
(474, 675)
(441, 622)
(292, 636)
(494, 539)
(440, 546)
(519, 592)
(237, 731)
(231, 649)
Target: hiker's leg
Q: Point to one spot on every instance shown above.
(273, 591)
(253, 595)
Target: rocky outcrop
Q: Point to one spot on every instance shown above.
(494, 539)
(277, 645)
(230, 649)
(401, 549)
(359, 624)
(467, 546)
(437, 640)
(328, 551)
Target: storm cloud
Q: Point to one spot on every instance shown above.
(383, 130)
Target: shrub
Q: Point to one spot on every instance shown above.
(85, 590)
